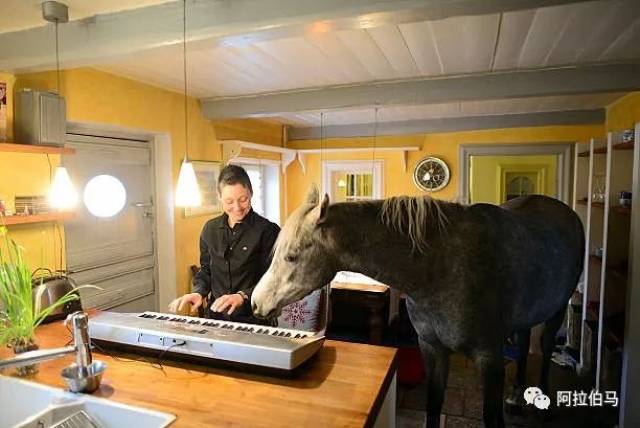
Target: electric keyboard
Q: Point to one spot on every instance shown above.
(206, 340)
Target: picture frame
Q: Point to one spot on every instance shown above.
(207, 173)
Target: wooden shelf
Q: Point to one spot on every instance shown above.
(593, 204)
(613, 270)
(613, 328)
(31, 148)
(603, 150)
(624, 210)
(38, 218)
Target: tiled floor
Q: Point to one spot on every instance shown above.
(463, 401)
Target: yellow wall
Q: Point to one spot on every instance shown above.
(43, 244)
(254, 130)
(443, 145)
(94, 96)
(485, 184)
(624, 113)
(99, 97)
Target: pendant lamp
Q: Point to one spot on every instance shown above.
(62, 195)
(187, 191)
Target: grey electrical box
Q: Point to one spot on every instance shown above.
(40, 118)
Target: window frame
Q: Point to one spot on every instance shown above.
(354, 167)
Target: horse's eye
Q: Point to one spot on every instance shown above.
(291, 258)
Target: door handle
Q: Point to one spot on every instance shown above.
(142, 204)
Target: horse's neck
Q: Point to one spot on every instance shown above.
(366, 246)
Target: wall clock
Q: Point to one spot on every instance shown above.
(431, 174)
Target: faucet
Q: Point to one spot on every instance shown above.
(85, 374)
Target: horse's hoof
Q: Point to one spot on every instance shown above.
(513, 406)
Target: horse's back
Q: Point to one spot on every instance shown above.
(542, 243)
(552, 214)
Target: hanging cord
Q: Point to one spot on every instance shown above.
(59, 92)
(375, 137)
(57, 267)
(321, 146)
(184, 65)
(57, 60)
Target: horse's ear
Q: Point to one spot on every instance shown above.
(313, 195)
(324, 208)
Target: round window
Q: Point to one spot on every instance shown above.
(104, 196)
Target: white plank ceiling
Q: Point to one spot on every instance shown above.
(580, 33)
(605, 31)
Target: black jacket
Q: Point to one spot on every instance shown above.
(235, 259)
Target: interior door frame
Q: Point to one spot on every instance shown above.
(562, 150)
(164, 221)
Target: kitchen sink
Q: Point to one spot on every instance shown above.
(31, 405)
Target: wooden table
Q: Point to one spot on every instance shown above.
(374, 298)
(347, 384)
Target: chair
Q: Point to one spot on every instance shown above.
(311, 313)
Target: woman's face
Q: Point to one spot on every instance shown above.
(236, 201)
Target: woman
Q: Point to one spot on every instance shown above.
(235, 251)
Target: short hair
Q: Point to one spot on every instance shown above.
(234, 174)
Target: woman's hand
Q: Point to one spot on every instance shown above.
(231, 301)
(178, 305)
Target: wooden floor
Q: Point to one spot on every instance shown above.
(463, 402)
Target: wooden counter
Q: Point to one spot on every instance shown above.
(345, 385)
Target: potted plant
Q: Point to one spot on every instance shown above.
(19, 316)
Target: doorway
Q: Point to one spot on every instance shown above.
(486, 171)
(116, 253)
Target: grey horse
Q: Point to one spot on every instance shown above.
(473, 275)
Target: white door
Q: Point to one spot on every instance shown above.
(115, 253)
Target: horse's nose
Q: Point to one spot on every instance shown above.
(254, 307)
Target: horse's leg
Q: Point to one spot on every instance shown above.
(551, 327)
(491, 368)
(436, 364)
(515, 400)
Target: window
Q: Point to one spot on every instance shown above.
(256, 174)
(352, 181)
(265, 180)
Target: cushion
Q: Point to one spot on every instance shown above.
(303, 314)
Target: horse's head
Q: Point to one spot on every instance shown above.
(303, 260)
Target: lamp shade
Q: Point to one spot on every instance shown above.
(187, 191)
(63, 195)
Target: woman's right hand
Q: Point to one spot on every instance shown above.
(179, 304)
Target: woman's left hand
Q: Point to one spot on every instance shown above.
(231, 301)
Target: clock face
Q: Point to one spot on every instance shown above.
(431, 174)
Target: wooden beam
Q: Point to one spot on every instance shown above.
(483, 86)
(403, 149)
(427, 126)
(238, 22)
(359, 149)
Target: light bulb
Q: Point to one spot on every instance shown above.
(63, 195)
(187, 191)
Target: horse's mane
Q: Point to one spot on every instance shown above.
(413, 217)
